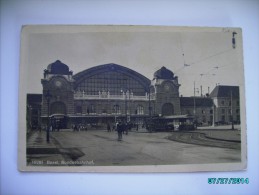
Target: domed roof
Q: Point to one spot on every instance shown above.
(164, 73)
(58, 68)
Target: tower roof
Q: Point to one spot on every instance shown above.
(164, 73)
(58, 67)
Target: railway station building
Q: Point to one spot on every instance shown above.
(106, 93)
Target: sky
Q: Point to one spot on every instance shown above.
(201, 56)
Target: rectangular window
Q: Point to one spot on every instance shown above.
(223, 111)
(237, 111)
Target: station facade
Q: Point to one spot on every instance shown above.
(106, 93)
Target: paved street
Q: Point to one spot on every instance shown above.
(97, 147)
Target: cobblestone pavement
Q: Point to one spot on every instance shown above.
(137, 148)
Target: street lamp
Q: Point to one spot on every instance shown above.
(149, 103)
(126, 94)
(48, 96)
(29, 119)
(194, 103)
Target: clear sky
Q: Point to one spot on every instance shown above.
(208, 53)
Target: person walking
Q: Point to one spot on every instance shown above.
(108, 127)
(126, 128)
(119, 130)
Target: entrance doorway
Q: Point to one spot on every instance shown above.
(167, 109)
(58, 115)
(58, 121)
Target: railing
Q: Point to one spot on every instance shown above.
(81, 95)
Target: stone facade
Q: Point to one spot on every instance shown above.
(227, 104)
(200, 107)
(105, 93)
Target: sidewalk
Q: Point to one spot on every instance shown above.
(223, 135)
(221, 127)
(223, 132)
(38, 139)
(40, 152)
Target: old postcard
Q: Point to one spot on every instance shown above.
(131, 99)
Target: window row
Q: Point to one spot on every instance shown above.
(223, 111)
(116, 109)
(223, 102)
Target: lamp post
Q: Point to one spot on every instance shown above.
(48, 96)
(29, 119)
(149, 103)
(194, 104)
(126, 94)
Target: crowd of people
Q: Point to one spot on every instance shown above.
(79, 127)
(120, 126)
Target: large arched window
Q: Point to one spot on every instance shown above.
(110, 78)
(140, 110)
(58, 108)
(167, 109)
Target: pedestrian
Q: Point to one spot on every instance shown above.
(58, 128)
(75, 127)
(126, 128)
(119, 130)
(108, 127)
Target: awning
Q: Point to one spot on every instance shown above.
(57, 116)
(179, 117)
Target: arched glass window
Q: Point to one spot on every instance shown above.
(58, 108)
(167, 109)
(111, 81)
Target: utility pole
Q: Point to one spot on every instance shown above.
(149, 104)
(194, 107)
(48, 96)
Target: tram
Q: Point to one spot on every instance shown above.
(170, 123)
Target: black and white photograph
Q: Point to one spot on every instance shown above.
(131, 99)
